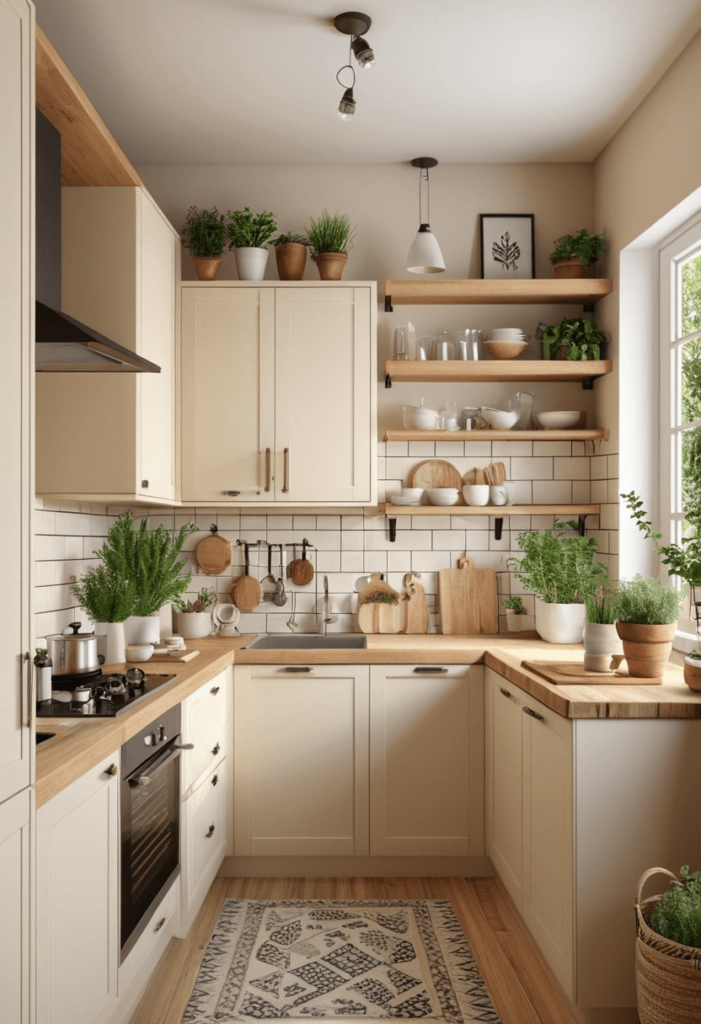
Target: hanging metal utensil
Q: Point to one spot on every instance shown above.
(280, 596)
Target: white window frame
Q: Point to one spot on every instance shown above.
(674, 252)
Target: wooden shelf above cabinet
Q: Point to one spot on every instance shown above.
(489, 510)
(404, 434)
(580, 291)
(457, 371)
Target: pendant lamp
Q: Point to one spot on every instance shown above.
(425, 255)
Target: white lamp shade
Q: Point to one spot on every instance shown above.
(425, 255)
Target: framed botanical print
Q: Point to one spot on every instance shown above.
(507, 246)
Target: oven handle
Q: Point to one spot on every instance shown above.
(153, 767)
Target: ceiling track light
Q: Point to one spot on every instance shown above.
(425, 255)
(355, 25)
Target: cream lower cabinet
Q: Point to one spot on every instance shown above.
(15, 885)
(279, 393)
(113, 435)
(427, 760)
(77, 900)
(301, 760)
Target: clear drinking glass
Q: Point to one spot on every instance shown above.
(400, 349)
(426, 343)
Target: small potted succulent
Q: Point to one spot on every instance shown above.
(562, 571)
(574, 253)
(290, 256)
(204, 234)
(330, 239)
(193, 619)
(514, 610)
(248, 235)
(573, 338)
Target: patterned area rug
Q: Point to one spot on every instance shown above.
(375, 959)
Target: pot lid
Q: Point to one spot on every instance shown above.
(75, 635)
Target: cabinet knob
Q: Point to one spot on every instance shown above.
(216, 750)
(144, 483)
(214, 690)
(210, 833)
(507, 693)
(112, 770)
(533, 714)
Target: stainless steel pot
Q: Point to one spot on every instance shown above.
(74, 654)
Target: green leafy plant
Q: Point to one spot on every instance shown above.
(205, 599)
(286, 239)
(683, 560)
(330, 234)
(648, 602)
(515, 605)
(560, 569)
(583, 338)
(585, 245)
(246, 229)
(204, 232)
(106, 595)
(601, 605)
(677, 916)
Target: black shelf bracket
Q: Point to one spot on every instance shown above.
(388, 381)
(588, 383)
(498, 527)
(588, 307)
(582, 525)
(389, 308)
(392, 529)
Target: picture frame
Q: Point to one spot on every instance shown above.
(507, 246)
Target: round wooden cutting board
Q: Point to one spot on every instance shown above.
(214, 554)
(436, 473)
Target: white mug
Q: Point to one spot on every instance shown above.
(226, 617)
(476, 494)
(498, 495)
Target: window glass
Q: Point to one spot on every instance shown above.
(690, 385)
(690, 305)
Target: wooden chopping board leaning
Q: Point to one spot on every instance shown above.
(468, 599)
(378, 607)
(412, 607)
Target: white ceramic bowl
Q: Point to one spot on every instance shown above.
(443, 495)
(557, 420)
(418, 418)
(415, 493)
(476, 494)
(498, 419)
(139, 652)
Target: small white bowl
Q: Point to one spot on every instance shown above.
(498, 419)
(415, 493)
(139, 652)
(416, 417)
(557, 420)
(443, 495)
(476, 494)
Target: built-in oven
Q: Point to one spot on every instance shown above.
(150, 822)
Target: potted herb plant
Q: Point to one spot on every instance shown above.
(110, 599)
(193, 619)
(647, 613)
(573, 338)
(602, 645)
(514, 610)
(574, 253)
(561, 570)
(290, 256)
(330, 239)
(204, 234)
(249, 235)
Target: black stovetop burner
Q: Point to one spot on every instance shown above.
(111, 695)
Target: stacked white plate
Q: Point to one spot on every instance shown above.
(397, 499)
(443, 495)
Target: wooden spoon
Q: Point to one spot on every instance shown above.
(246, 593)
(302, 570)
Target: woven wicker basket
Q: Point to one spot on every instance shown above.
(667, 974)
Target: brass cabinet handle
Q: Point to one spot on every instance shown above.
(112, 770)
(214, 690)
(507, 693)
(210, 833)
(267, 469)
(533, 714)
(160, 924)
(286, 482)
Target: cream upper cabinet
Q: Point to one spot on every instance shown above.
(279, 394)
(112, 435)
(301, 760)
(427, 760)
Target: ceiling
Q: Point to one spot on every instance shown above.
(466, 81)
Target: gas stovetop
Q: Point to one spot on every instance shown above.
(110, 695)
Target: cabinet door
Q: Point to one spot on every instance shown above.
(15, 866)
(202, 842)
(16, 386)
(77, 900)
(426, 760)
(301, 768)
(504, 781)
(324, 380)
(228, 393)
(548, 837)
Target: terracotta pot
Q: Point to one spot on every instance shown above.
(561, 352)
(646, 648)
(692, 673)
(331, 265)
(569, 268)
(206, 267)
(291, 259)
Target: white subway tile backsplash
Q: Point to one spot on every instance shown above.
(430, 561)
(448, 540)
(303, 523)
(552, 492)
(426, 449)
(531, 469)
(609, 517)
(352, 561)
(445, 449)
(613, 488)
(375, 561)
(581, 492)
(396, 448)
(501, 449)
(572, 468)
(599, 491)
(552, 448)
(599, 467)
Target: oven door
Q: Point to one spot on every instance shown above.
(150, 820)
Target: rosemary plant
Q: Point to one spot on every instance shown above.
(107, 596)
(678, 914)
(558, 568)
(204, 232)
(330, 234)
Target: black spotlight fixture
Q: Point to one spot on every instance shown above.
(364, 53)
(355, 25)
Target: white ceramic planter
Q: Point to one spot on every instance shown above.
(143, 629)
(115, 644)
(513, 621)
(193, 625)
(601, 643)
(251, 263)
(560, 623)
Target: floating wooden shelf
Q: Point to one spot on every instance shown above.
(404, 434)
(458, 371)
(489, 510)
(585, 291)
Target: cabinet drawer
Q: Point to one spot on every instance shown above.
(156, 934)
(206, 824)
(204, 714)
(202, 759)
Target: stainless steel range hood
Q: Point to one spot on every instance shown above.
(64, 345)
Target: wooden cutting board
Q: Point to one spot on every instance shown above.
(436, 473)
(378, 616)
(573, 673)
(468, 599)
(179, 656)
(413, 608)
(214, 555)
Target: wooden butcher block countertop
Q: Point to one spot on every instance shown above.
(80, 745)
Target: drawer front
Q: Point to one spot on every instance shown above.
(204, 718)
(153, 934)
(206, 813)
(202, 759)
(432, 670)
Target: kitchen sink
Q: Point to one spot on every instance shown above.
(41, 737)
(309, 642)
